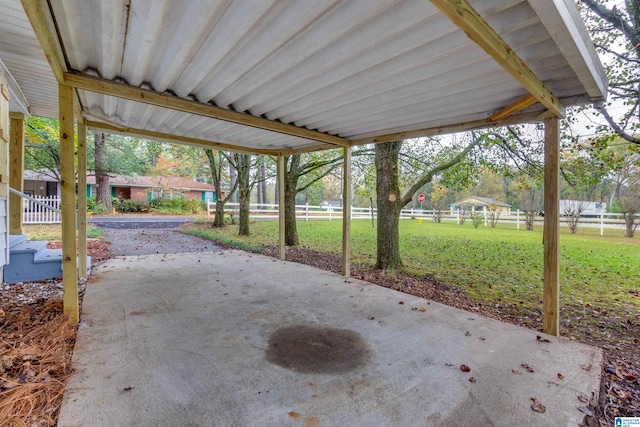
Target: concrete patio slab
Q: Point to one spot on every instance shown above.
(234, 339)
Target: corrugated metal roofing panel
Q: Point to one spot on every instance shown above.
(351, 68)
(21, 53)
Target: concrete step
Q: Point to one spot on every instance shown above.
(31, 261)
(16, 239)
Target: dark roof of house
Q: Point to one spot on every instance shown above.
(173, 182)
(482, 201)
(35, 175)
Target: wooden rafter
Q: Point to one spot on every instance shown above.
(176, 138)
(467, 19)
(42, 23)
(458, 127)
(132, 93)
(522, 103)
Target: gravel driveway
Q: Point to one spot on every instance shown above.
(154, 240)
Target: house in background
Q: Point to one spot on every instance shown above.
(142, 188)
(145, 188)
(37, 183)
(476, 203)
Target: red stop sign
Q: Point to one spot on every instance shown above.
(420, 198)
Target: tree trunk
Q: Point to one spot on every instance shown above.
(290, 183)
(233, 176)
(103, 190)
(215, 165)
(244, 191)
(263, 182)
(389, 205)
(218, 219)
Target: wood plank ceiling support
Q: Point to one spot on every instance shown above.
(16, 171)
(443, 130)
(132, 93)
(469, 20)
(522, 103)
(551, 236)
(40, 17)
(176, 138)
(346, 212)
(82, 200)
(281, 223)
(68, 208)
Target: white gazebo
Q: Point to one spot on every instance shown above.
(280, 77)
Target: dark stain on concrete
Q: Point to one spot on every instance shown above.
(317, 350)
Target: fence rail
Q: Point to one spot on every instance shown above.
(307, 212)
(34, 213)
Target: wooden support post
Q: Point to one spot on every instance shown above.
(346, 212)
(68, 193)
(82, 200)
(16, 171)
(281, 166)
(551, 234)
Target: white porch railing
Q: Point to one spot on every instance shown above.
(47, 211)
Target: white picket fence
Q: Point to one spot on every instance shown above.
(307, 212)
(37, 214)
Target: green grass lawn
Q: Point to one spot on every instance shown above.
(54, 232)
(489, 264)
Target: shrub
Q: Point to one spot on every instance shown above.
(477, 219)
(91, 203)
(133, 206)
(100, 209)
(177, 206)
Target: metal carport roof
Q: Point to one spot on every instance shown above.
(276, 76)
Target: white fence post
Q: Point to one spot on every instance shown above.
(306, 211)
(602, 222)
(330, 209)
(518, 219)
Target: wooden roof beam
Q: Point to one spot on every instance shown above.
(40, 17)
(132, 93)
(522, 103)
(515, 119)
(467, 19)
(176, 138)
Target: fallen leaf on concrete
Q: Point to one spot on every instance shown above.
(541, 339)
(472, 380)
(560, 376)
(527, 368)
(586, 367)
(423, 309)
(515, 371)
(465, 368)
(467, 334)
(583, 398)
(537, 406)
(370, 317)
(586, 411)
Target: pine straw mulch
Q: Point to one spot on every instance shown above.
(618, 337)
(36, 345)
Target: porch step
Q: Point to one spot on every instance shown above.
(31, 261)
(16, 239)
